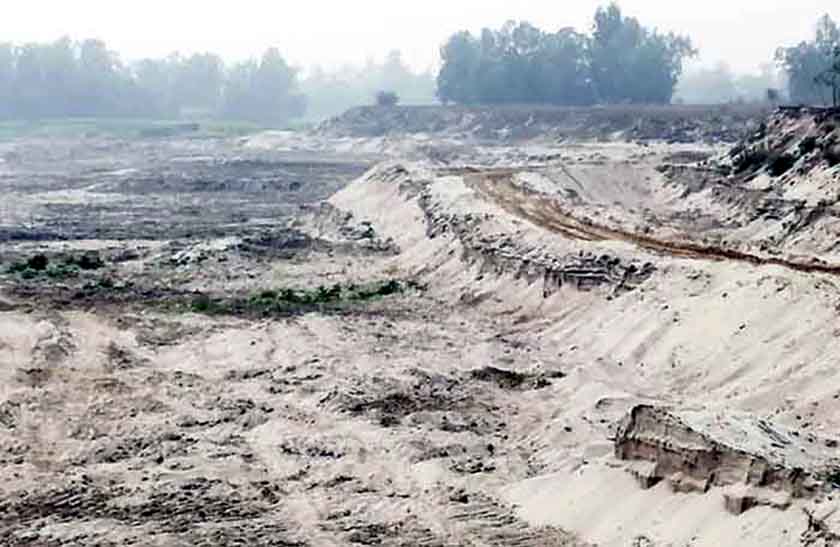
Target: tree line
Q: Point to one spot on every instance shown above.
(85, 79)
(330, 93)
(620, 61)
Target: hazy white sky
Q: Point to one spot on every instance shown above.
(743, 32)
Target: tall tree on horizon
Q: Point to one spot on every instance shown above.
(621, 61)
(807, 63)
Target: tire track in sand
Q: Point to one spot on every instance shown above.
(498, 186)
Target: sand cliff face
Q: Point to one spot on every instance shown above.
(696, 451)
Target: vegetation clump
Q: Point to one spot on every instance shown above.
(67, 79)
(813, 67)
(288, 301)
(40, 266)
(622, 61)
(833, 478)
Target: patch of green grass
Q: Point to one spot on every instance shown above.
(53, 271)
(39, 266)
(62, 271)
(285, 301)
(204, 304)
(104, 284)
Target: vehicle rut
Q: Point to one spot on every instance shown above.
(498, 186)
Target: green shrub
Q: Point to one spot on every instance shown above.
(286, 300)
(40, 265)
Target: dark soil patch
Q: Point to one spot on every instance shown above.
(282, 245)
(511, 380)
(161, 189)
(202, 510)
(454, 405)
(394, 403)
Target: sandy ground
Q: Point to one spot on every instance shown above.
(477, 407)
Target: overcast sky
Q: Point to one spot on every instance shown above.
(744, 33)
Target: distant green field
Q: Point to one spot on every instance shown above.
(130, 128)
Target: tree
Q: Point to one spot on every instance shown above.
(331, 93)
(754, 87)
(7, 78)
(67, 78)
(458, 77)
(830, 78)
(518, 63)
(720, 85)
(807, 64)
(238, 90)
(100, 79)
(621, 62)
(395, 75)
(199, 80)
(30, 88)
(615, 42)
(275, 87)
(155, 80)
(387, 99)
(264, 92)
(394, 71)
(562, 69)
(631, 63)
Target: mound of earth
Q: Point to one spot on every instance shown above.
(777, 192)
(795, 142)
(517, 123)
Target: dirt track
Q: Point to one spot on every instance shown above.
(548, 213)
